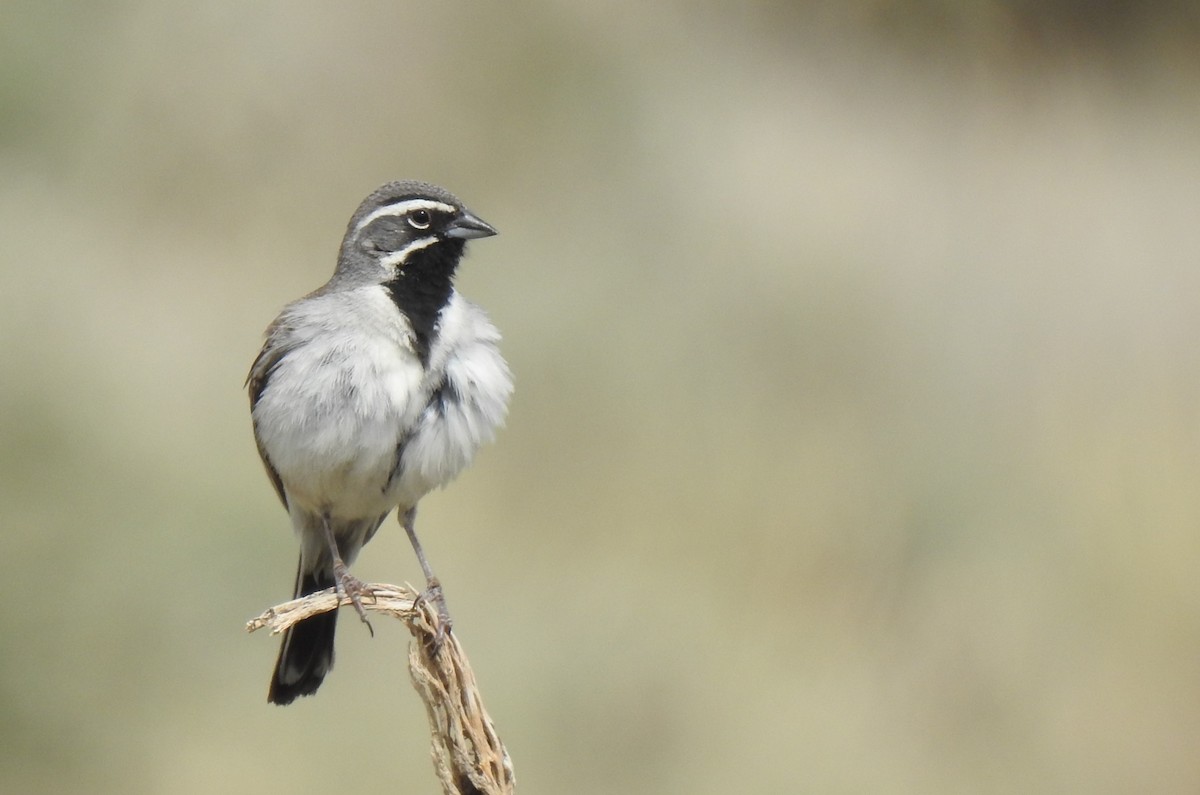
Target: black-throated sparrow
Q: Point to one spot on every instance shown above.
(369, 393)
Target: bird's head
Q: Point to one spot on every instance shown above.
(409, 231)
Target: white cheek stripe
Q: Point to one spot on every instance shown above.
(402, 208)
(397, 258)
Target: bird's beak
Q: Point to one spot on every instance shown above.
(467, 226)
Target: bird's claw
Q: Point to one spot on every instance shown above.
(433, 595)
(353, 589)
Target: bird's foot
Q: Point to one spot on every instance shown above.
(353, 589)
(433, 595)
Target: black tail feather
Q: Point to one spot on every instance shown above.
(306, 654)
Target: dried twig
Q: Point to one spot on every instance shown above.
(468, 756)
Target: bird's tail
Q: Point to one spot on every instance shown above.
(307, 651)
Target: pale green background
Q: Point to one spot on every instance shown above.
(856, 443)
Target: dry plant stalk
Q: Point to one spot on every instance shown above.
(468, 756)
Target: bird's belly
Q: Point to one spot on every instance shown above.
(436, 452)
(333, 433)
(458, 419)
(342, 469)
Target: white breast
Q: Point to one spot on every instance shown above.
(340, 404)
(469, 407)
(336, 407)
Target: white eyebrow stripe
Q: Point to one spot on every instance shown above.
(400, 208)
(397, 258)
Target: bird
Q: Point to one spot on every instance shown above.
(370, 392)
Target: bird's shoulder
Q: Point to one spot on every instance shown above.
(278, 341)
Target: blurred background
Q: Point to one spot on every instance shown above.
(856, 440)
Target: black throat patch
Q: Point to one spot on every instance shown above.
(422, 287)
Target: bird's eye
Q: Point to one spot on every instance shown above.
(419, 219)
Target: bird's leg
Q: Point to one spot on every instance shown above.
(433, 588)
(347, 583)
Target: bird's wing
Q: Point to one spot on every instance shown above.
(279, 343)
